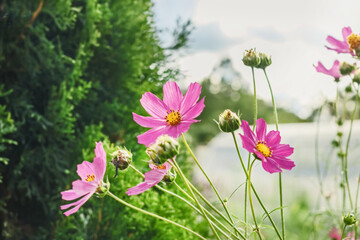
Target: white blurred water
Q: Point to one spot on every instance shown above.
(220, 161)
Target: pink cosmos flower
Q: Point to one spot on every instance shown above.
(267, 147)
(172, 116)
(92, 175)
(335, 235)
(153, 177)
(333, 71)
(341, 46)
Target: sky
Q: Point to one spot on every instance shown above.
(292, 32)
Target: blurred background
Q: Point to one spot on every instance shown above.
(72, 72)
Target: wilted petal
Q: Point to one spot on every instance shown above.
(172, 95)
(78, 205)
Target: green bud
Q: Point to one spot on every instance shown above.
(228, 121)
(265, 61)
(103, 189)
(349, 219)
(121, 159)
(251, 58)
(348, 89)
(163, 149)
(346, 68)
(169, 178)
(357, 76)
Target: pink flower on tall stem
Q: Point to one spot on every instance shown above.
(91, 175)
(338, 45)
(172, 116)
(267, 147)
(153, 177)
(335, 235)
(333, 71)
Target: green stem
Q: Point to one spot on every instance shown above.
(208, 213)
(155, 215)
(255, 99)
(347, 147)
(175, 166)
(251, 204)
(189, 204)
(343, 232)
(280, 180)
(212, 185)
(254, 191)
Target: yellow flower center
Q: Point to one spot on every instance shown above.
(173, 118)
(263, 148)
(90, 178)
(161, 167)
(353, 41)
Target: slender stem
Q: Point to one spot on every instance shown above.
(255, 99)
(347, 147)
(343, 232)
(356, 200)
(280, 178)
(254, 191)
(215, 209)
(250, 201)
(155, 215)
(175, 166)
(207, 212)
(212, 185)
(188, 203)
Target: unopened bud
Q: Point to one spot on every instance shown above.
(357, 76)
(169, 178)
(346, 68)
(121, 159)
(349, 219)
(251, 58)
(163, 149)
(348, 89)
(103, 189)
(265, 61)
(228, 121)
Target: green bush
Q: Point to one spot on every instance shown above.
(71, 74)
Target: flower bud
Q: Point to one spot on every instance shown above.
(346, 68)
(251, 58)
(163, 149)
(121, 159)
(169, 178)
(349, 219)
(103, 189)
(228, 121)
(357, 76)
(265, 61)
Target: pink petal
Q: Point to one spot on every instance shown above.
(191, 97)
(337, 44)
(172, 95)
(99, 162)
(333, 71)
(260, 129)
(82, 187)
(273, 138)
(66, 206)
(79, 204)
(248, 132)
(183, 127)
(282, 150)
(150, 136)
(70, 195)
(140, 188)
(148, 122)
(195, 110)
(153, 105)
(84, 169)
(346, 31)
(283, 162)
(270, 165)
(248, 143)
